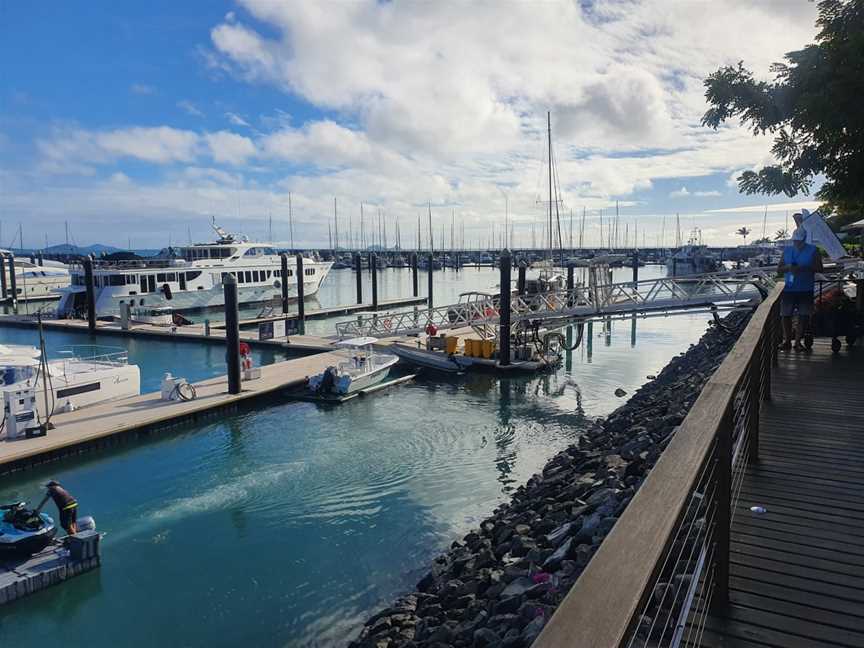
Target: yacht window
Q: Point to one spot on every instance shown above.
(132, 292)
(248, 276)
(171, 276)
(240, 277)
(131, 279)
(116, 280)
(257, 275)
(268, 274)
(309, 272)
(160, 277)
(290, 272)
(141, 303)
(277, 273)
(194, 274)
(224, 276)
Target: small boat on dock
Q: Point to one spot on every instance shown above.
(444, 354)
(24, 531)
(365, 367)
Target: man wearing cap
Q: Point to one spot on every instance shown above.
(66, 505)
(801, 262)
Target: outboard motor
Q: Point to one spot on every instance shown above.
(86, 523)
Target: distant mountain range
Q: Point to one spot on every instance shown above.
(97, 249)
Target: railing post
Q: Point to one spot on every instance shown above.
(754, 401)
(723, 508)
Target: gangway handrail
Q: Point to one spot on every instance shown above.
(666, 561)
(726, 289)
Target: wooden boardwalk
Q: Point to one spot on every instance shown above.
(797, 570)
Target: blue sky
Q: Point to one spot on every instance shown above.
(139, 122)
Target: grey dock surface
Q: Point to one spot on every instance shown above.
(797, 570)
(51, 566)
(90, 426)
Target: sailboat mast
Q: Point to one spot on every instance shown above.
(290, 221)
(335, 224)
(431, 234)
(549, 141)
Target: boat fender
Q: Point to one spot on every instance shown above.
(166, 290)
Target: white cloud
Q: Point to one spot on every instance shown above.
(679, 193)
(706, 194)
(229, 148)
(142, 89)
(236, 119)
(190, 108)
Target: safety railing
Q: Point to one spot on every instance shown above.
(665, 564)
(91, 357)
(666, 295)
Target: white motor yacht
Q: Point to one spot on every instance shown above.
(35, 282)
(362, 368)
(84, 375)
(191, 278)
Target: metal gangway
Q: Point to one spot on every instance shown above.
(666, 296)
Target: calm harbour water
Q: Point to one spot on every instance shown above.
(288, 524)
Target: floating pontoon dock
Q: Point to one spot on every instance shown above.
(77, 431)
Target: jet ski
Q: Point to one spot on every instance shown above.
(23, 531)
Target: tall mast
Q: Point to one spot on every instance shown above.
(362, 231)
(335, 224)
(419, 218)
(582, 230)
(290, 221)
(431, 234)
(549, 140)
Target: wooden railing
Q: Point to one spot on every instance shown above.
(665, 563)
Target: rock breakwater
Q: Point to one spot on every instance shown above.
(501, 583)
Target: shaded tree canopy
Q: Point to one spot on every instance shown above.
(814, 108)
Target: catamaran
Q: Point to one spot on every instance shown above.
(191, 278)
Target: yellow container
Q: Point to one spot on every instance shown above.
(488, 348)
(468, 349)
(452, 341)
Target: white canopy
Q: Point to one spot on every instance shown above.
(357, 342)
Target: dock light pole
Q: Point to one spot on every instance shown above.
(414, 277)
(504, 310)
(431, 269)
(358, 269)
(284, 259)
(520, 281)
(301, 306)
(373, 268)
(13, 288)
(232, 333)
(91, 295)
(3, 290)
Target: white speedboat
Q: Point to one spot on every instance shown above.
(84, 375)
(362, 368)
(191, 278)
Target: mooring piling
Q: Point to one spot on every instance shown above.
(284, 260)
(91, 294)
(504, 310)
(373, 268)
(358, 269)
(232, 333)
(301, 306)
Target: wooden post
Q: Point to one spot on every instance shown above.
(3, 292)
(284, 259)
(91, 293)
(301, 306)
(373, 268)
(570, 284)
(358, 269)
(414, 277)
(520, 281)
(504, 311)
(723, 507)
(429, 283)
(232, 333)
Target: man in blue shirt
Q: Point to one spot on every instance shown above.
(801, 262)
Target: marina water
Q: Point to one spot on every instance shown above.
(287, 524)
